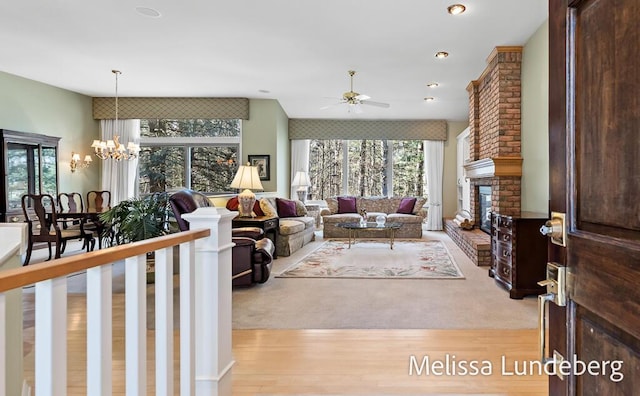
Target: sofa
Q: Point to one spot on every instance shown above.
(408, 211)
(251, 257)
(295, 227)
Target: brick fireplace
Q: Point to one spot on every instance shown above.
(495, 152)
(494, 130)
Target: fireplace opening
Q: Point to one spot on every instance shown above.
(484, 200)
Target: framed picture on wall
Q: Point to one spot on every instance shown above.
(262, 163)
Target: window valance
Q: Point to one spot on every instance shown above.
(367, 129)
(238, 108)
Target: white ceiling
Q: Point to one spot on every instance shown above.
(297, 50)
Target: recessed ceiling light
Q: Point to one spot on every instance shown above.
(456, 9)
(429, 99)
(149, 12)
(441, 54)
(432, 85)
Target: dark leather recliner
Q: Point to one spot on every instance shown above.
(251, 256)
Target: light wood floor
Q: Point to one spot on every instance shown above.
(335, 362)
(323, 362)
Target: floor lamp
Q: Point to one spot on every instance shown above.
(247, 177)
(301, 180)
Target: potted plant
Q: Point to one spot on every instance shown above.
(137, 219)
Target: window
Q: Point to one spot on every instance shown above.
(366, 168)
(195, 153)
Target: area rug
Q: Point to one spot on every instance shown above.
(409, 259)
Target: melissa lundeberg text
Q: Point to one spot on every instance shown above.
(452, 366)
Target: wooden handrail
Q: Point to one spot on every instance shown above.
(19, 277)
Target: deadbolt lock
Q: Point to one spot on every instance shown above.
(555, 228)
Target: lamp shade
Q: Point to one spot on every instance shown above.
(301, 179)
(247, 177)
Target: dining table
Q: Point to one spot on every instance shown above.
(92, 215)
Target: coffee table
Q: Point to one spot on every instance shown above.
(388, 228)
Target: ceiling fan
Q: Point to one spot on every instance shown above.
(353, 99)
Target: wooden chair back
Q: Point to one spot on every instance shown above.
(70, 202)
(98, 200)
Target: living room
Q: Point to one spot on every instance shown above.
(32, 106)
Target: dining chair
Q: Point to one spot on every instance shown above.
(42, 222)
(98, 200)
(71, 203)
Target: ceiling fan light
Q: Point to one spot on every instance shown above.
(456, 9)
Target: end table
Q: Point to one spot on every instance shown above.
(268, 224)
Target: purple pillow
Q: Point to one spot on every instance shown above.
(347, 205)
(406, 206)
(286, 208)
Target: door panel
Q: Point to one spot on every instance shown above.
(594, 132)
(558, 316)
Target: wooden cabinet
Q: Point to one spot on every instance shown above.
(518, 253)
(29, 164)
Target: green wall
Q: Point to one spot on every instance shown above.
(266, 132)
(31, 106)
(535, 122)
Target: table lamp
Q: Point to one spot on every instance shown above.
(247, 177)
(301, 180)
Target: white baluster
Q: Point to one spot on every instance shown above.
(99, 330)
(51, 337)
(136, 325)
(187, 314)
(164, 321)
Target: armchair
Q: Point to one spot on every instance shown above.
(252, 254)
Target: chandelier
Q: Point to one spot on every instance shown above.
(113, 149)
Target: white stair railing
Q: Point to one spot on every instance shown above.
(205, 313)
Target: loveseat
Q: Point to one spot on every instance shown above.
(407, 211)
(296, 228)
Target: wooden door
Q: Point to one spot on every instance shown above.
(594, 139)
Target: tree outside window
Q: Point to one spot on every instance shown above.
(366, 168)
(200, 154)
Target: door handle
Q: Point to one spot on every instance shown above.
(556, 284)
(542, 325)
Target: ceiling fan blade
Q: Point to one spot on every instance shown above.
(377, 104)
(362, 97)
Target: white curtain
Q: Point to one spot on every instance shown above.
(299, 160)
(119, 177)
(434, 168)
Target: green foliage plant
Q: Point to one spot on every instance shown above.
(137, 219)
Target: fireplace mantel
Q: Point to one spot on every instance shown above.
(494, 167)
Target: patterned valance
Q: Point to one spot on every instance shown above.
(238, 108)
(368, 129)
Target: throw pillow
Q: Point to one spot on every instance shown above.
(301, 210)
(286, 208)
(406, 206)
(347, 205)
(267, 208)
(233, 204)
(257, 209)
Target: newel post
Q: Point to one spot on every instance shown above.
(213, 353)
